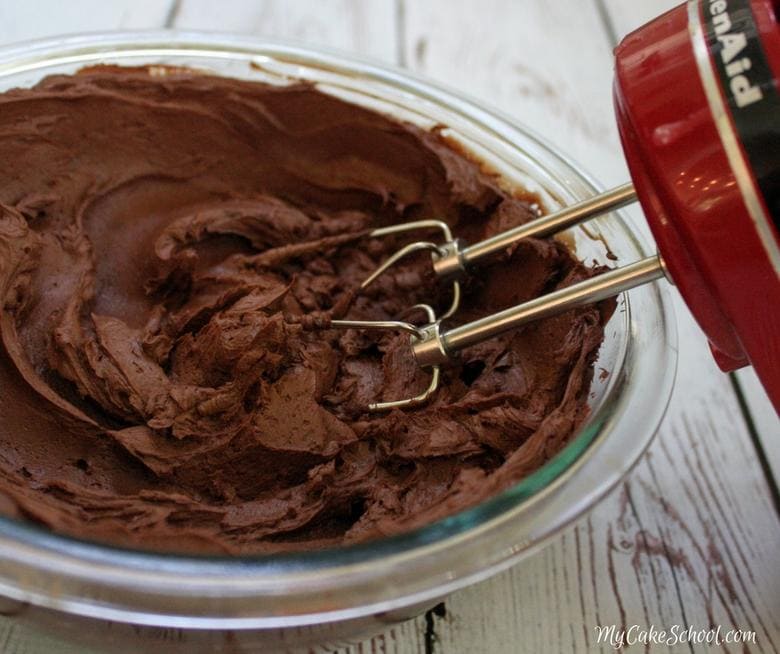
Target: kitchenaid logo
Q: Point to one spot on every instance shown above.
(733, 46)
(742, 93)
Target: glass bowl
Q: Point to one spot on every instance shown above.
(329, 595)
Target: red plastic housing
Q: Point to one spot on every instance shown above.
(690, 183)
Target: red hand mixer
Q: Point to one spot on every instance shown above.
(698, 110)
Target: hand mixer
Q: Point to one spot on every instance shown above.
(698, 109)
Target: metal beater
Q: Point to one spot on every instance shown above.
(432, 345)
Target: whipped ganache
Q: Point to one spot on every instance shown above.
(162, 239)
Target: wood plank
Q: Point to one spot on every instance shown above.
(366, 27)
(625, 16)
(20, 21)
(514, 56)
(763, 415)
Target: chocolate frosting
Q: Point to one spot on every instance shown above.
(166, 237)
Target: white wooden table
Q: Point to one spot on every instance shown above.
(692, 537)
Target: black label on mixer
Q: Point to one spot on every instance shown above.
(750, 90)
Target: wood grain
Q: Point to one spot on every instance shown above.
(765, 419)
(513, 56)
(624, 16)
(692, 536)
(20, 21)
(366, 27)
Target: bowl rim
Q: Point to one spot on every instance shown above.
(154, 587)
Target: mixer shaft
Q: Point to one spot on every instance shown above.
(435, 346)
(458, 256)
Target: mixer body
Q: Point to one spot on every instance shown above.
(698, 109)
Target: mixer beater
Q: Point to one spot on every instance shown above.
(433, 346)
